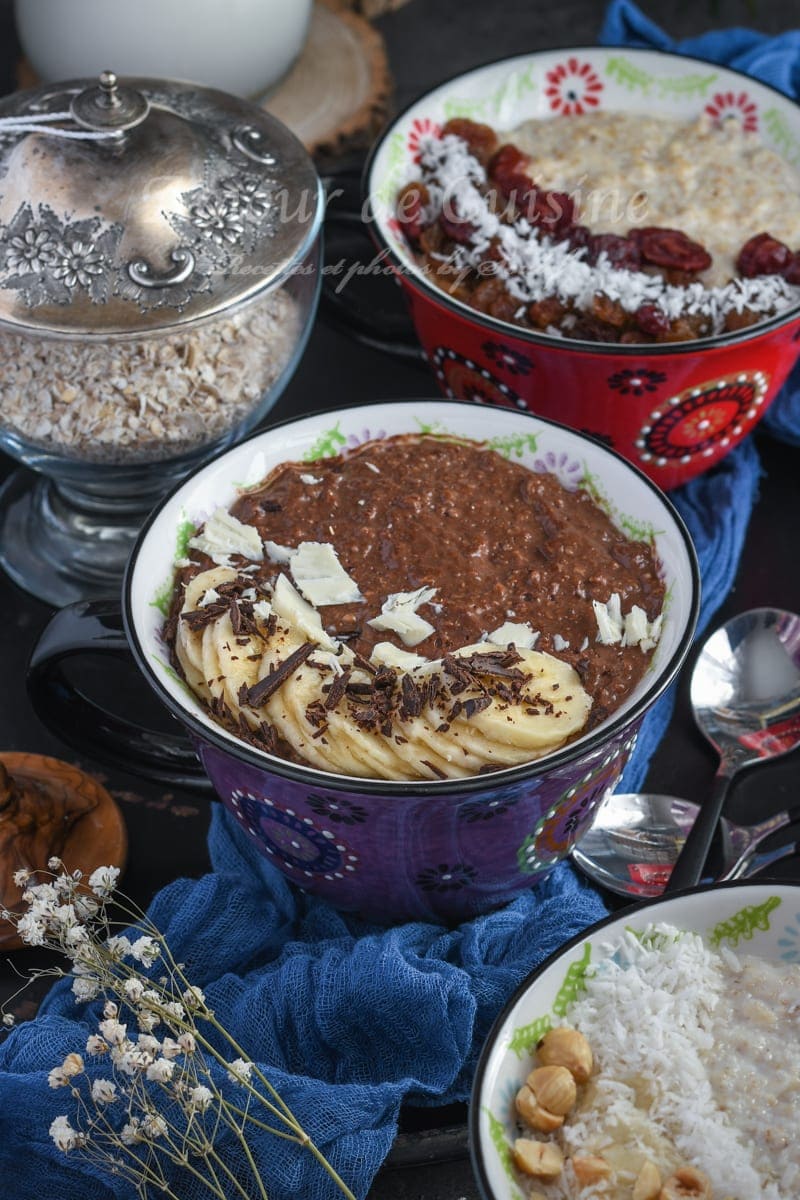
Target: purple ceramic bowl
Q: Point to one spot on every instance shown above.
(442, 850)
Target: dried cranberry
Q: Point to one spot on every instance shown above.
(411, 209)
(552, 212)
(622, 252)
(791, 273)
(580, 237)
(671, 248)
(651, 319)
(763, 255)
(481, 139)
(455, 228)
(508, 168)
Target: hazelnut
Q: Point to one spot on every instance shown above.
(565, 1047)
(534, 1114)
(686, 1184)
(590, 1168)
(542, 1160)
(648, 1182)
(554, 1088)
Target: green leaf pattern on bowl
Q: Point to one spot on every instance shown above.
(783, 140)
(638, 530)
(635, 79)
(162, 597)
(743, 924)
(329, 443)
(503, 1149)
(517, 444)
(511, 91)
(528, 1036)
(574, 983)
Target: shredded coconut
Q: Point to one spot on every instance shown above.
(536, 268)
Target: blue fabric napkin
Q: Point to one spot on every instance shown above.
(347, 1019)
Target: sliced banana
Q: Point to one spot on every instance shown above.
(538, 715)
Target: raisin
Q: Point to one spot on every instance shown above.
(546, 312)
(609, 311)
(632, 337)
(592, 330)
(651, 319)
(621, 252)
(412, 204)
(481, 139)
(491, 296)
(763, 255)
(734, 321)
(671, 248)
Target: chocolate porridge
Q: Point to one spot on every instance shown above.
(418, 590)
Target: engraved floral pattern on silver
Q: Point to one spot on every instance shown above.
(50, 258)
(77, 263)
(46, 260)
(247, 195)
(218, 220)
(34, 250)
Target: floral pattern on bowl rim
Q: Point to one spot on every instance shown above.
(753, 918)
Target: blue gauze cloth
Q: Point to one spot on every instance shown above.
(350, 1020)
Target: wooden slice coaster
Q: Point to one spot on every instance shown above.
(50, 808)
(336, 96)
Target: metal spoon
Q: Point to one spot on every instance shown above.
(745, 694)
(635, 840)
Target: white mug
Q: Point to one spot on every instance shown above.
(241, 46)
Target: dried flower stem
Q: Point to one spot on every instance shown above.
(166, 1084)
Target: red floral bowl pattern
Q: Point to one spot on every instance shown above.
(674, 410)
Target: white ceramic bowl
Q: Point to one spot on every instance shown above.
(754, 918)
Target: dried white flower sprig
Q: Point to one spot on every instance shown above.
(166, 1094)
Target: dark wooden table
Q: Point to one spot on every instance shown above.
(429, 40)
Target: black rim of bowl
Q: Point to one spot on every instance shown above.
(566, 345)
(315, 778)
(473, 1120)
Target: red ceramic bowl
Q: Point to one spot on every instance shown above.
(672, 409)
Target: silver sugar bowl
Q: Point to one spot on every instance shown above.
(159, 272)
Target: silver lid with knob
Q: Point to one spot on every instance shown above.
(138, 205)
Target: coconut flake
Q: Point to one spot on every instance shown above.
(299, 614)
(399, 615)
(279, 554)
(321, 577)
(521, 634)
(310, 479)
(223, 535)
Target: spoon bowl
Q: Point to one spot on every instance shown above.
(745, 694)
(635, 839)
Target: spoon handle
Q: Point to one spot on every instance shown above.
(689, 865)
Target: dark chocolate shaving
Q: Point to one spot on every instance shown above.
(260, 692)
(432, 767)
(411, 705)
(337, 689)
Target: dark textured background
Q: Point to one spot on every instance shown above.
(429, 40)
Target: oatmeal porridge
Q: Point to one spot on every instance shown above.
(678, 1078)
(420, 607)
(608, 226)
